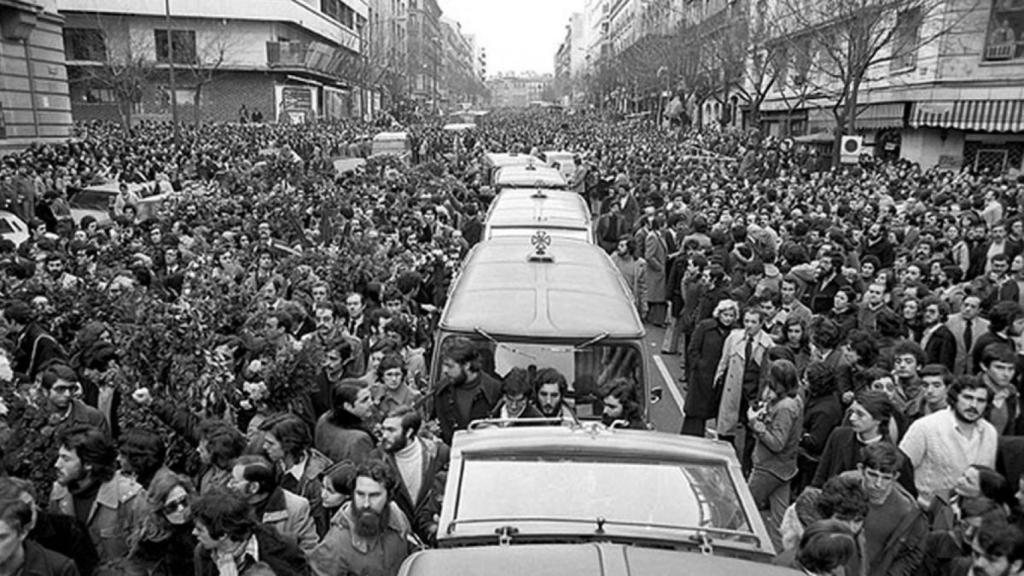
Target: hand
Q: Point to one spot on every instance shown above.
(754, 413)
(142, 396)
(847, 397)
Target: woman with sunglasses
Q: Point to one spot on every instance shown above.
(164, 545)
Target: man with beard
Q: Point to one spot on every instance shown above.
(465, 393)
(942, 445)
(877, 244)
(421, 464)
(550, 390)
(254, 478)
(90, 488)
(895, 527)
(231, 541)
(370, 534)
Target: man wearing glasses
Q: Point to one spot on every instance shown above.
(60, 386)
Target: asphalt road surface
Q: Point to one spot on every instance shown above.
(667, 414)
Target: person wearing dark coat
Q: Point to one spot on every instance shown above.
(59, 533)
(703, 353)
(823, 412)
(937, 341)
(465, 393)
(225, 524)
(35, 349)
(341, 434)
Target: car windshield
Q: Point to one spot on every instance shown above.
(585, 367)
(91, 200)
(656, 494)
(6, 227)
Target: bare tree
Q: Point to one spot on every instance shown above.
(207, 64)
(848, 43)
(125, 67)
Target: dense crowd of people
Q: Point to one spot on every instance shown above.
(244, 368)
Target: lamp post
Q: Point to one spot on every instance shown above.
(170, 72)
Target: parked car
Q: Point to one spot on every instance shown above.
(583, 482)
(13, 228)
(96, 201)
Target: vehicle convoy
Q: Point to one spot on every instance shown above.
(588, 499)
(521, 212)
(561, 304)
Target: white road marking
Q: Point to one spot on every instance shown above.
(670, 382)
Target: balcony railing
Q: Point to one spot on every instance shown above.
(315, 57)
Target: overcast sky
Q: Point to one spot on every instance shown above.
(519, 35)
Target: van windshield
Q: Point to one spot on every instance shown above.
(585, 367)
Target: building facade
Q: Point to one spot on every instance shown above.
(424, 50)
(34, 102)
(386, 46)
(518, 90)
(953, 98)
(460, 85)
(284, 60)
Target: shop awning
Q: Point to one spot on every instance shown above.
(980, 115)
(879, 116)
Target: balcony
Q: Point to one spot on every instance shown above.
(314, 57)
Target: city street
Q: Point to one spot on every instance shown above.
(667, 414)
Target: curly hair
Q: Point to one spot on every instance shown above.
(224, 513)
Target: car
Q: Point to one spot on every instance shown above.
(590, 559)
(391, 143)
(529, 176)
(96, 201)
(13, 228)
(566, 162)
(521, 212)
(494, 161)
(584, 482)
(562, 305)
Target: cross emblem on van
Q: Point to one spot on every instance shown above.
(541, 242)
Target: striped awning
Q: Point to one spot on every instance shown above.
(980, 115)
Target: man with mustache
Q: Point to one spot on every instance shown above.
(370, 534)
(943, 444)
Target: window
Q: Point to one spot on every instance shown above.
(84, 44)
(338, 10)
(184, 46)
(905, 39)
(1005, 38)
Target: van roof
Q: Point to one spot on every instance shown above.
(536, 176)
(577, 293)
(391, 136)
(535, 208)
(502, 159)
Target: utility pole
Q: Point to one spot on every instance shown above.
(170, 72)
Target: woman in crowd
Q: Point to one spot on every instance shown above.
(777, 425)
(164, 546)
(703, 353)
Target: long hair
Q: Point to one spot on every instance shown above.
(155, 527)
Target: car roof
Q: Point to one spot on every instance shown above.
(536, 208)
(503, 291)
(482, 441)
(590, 559)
